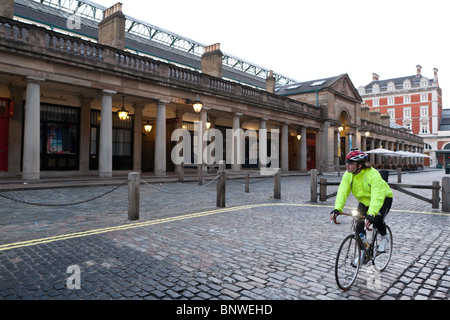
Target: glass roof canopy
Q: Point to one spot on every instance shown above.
(94, 12)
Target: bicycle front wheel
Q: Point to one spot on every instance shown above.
(381, 259)
(347, 262)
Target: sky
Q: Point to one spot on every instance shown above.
(312, 39)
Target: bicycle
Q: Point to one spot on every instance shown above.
(346, 270)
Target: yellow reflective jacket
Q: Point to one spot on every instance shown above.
(368, 187)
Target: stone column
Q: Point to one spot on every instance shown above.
(284, 147)
(236, 143)
(203, 118)
(105, 152)
(85, 133)
(160, 138)
(378, 156)
(263, 143)
(178, 168)
(303, 150)
(372, 146)
(363, 143)
(31, 140)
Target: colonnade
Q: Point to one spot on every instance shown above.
(31, 139)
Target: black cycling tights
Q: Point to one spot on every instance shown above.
(378, 221)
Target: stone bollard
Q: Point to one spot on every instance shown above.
(399, 175)
(221, 185)
(323, 189)
(277, 184)
(313, 185)
(435, 195)
(200, 174)
(446, 194)
(133, 195)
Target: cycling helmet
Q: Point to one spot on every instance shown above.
(357, 156)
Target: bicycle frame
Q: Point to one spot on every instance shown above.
(368, 251)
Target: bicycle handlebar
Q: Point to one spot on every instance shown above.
(353, 216)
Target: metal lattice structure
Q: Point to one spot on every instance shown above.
(94, 12)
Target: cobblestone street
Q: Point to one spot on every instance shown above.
(184, 247)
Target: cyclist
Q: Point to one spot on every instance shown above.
(373, 193)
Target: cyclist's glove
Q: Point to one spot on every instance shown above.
(334, 213)
(369, 218)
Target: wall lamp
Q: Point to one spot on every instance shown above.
(123, 113)
(341, 128)
(147, 127)
(299, 136)
(367, 133)
(196, 104)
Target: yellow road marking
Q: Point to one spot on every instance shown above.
(165, 220)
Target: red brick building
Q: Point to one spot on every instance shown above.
(413, 102)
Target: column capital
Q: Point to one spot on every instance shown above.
(107, 92)
(162, 101)
(32, 79)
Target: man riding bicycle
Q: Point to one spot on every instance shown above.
(373, 193)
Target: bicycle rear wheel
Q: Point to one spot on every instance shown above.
(344, 271)
(381, 260)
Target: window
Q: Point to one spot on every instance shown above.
(59, 137)
(407, 113)
(424, 83)
(406, 84)
(424, 128)
(375, 88)
(376, 102)
(317, 83)
(424, 111)
(406, 99)
(391, 86)
(122, 141)
(424, 97)
(391, 101)
(391, 113)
